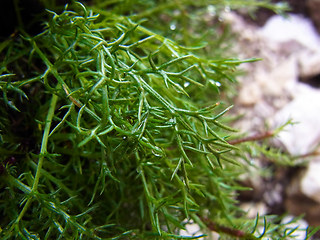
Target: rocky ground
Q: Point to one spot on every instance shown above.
(284, 85)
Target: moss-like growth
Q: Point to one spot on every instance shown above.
(112, 130)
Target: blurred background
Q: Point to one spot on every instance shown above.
(283, 85)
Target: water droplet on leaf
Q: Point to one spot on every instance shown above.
(186, 84)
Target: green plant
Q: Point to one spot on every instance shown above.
(107, 130)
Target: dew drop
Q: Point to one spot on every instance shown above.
(218, 84)
(173, 27)
(186, 84)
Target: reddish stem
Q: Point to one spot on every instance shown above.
(256, 137)
(226, 230)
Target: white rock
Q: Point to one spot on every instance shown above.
(310, 183)
(309, 63)
(302, 137)
(295, 27)
(192, 229)
(252, 209)
(301, 225)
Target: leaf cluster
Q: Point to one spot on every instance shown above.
(107, 133)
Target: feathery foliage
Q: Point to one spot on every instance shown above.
(111, 129)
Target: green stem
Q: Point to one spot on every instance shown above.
(44, 143)
(43, 151)
(18, 14)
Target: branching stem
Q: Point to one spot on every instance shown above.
(43, 152)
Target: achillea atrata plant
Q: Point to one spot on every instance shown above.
(112, 127)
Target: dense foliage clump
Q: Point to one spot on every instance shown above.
(112, 126)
